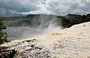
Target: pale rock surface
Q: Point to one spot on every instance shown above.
(73, 42)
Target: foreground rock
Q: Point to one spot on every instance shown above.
(73, 42)
(4, 53)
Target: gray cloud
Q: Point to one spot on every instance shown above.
(21, 6)
(56, 7)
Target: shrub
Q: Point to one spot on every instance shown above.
(3, 37)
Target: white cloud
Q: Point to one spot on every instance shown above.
(63, 7)
(56, 7)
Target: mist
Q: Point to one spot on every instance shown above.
(39, 26)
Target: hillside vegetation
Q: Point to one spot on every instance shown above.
(67, 21)
(72, 20)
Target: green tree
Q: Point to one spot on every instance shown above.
(3, 36)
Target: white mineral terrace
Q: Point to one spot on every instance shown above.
(73, 42)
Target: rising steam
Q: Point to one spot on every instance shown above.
(39, 25)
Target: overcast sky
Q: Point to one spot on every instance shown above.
(54, 7)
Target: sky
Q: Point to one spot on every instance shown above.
(50, 7)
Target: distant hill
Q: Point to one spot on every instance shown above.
(73, 15)
(32, 15)
(36, 15)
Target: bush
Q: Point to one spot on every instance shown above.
(3, 37)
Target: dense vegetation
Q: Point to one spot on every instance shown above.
(3, 37)
(68, 21)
